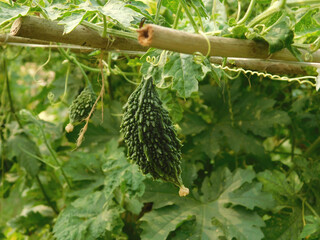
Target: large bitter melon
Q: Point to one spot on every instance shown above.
(81, 107)
(151, 138)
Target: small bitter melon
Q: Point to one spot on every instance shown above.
(81, 107)
(150, 136)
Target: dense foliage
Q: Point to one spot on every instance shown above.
(251, 145)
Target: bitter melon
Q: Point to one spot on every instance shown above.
(81, 107)
(150, 136)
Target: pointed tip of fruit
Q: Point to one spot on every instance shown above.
(183, 191)
(69, 128)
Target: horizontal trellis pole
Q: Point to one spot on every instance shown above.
(178, 41)
(38, 32)
(46, 30)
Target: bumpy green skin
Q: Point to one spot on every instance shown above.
(81, 106)
(151, 138)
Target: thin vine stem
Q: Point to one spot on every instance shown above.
(310, 207)
(295, 3)
(75, 61)
(52, 153)
(238, 11)
(275, 7)
(178, 14)
(156, 19)
(214, 5)
(114, 32)
(12, 109)
(88, 83)
(66, 81)
(248, 12)
(198, 13)
(105, 26)
(46, 195)
(48, 146)
(189, 15)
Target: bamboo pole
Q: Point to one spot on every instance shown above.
(42, 29)
(189, 43)
(6, 38)
(151, 35)
(270, 66)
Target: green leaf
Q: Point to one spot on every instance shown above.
(9, 13)
(238, 141)
(118, 11)
(284, 189)
(280, 36)
(85, 171)
(141, 8)
(256, 114)
(55, 10)
(118, 172)
(308, 25)
(31, 219)
(153, 63)
(208, 142)
(171, 4)
(312, 228)
(285, 225)
(217, 209)
(200, 7)
(26, 152)
(184, 72)
(171, 103)
(72, 21)
(253, 116)
(167, 219)
(88, 218)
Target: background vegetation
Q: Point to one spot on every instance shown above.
(250, 144)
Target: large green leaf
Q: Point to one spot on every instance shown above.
(284, 226)
(118, 11)
(280, 36)
(257, 115)
(88, 218)
(118, 172)
(223, 207)
(8, 13)
(178, 68)
(71, 21)
(26, 152)
(31, 219)
(184, 72)
(308, 25)
(287, 223)
(283, 188)
(84, 169)
(312, 228)
(252, 116)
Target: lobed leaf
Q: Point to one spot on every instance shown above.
(214, 216)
